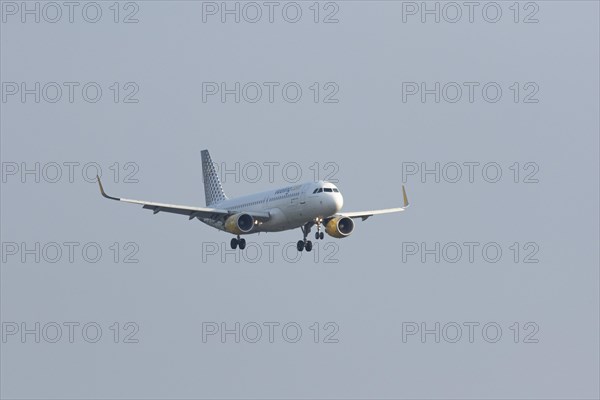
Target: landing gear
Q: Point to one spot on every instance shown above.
(235, 242)
(318, 233)
(305, 244)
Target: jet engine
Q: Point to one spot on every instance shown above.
(339, 227)
(239, 224)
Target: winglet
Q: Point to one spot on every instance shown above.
(406, 204)
(103, 193)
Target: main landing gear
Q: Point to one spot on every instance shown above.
(307, 244)
(235, 242)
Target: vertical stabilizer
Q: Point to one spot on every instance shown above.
(213, 191)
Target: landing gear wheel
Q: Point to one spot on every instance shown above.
(308, 245)
(302, 244)
(321, 235)
(234, 243)
(242, 243)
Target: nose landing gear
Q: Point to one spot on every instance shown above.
(235, 242)
(318, 233)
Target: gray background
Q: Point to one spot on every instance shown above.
(369, 133)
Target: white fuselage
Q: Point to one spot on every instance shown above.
(290, 207)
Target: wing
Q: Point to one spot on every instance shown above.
(191, 212)
(366, 214)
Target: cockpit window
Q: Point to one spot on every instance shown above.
(335, 190)
(328, 190)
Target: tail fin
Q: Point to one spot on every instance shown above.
(213, 191)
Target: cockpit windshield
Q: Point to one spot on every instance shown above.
(328, 190)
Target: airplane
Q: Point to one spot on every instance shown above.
(299, 206)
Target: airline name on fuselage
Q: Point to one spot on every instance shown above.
(288, 189)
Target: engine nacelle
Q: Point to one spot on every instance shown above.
(239, 224)
(339, 227)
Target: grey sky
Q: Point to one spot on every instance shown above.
(371, 293)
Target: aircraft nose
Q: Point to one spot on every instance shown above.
(338, 201)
